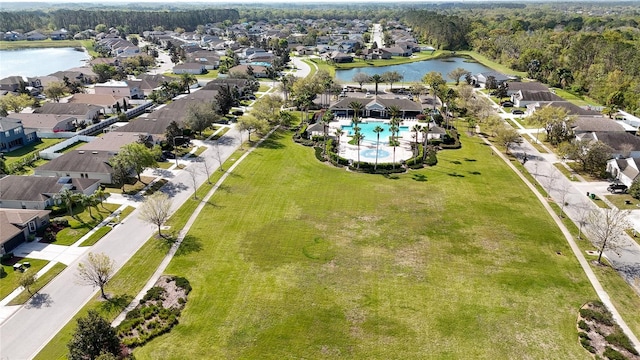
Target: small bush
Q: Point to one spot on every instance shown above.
(583, 336)
(587, 345)
(155, 293)
(613, 354)
(60, 221)
(602, 316)
(583, 325)
(618, 338)
(183, 284)
(318, 152)
(6, 257)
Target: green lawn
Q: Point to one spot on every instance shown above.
(396, 60)
(29, 150)
(9, 282)
(132, 277)
(620, 201)
(26, 44)
(297, 259)
(579, 100)
(81, 223)
(565, 172)
(24, 296)
(100, 233)
(492, 64)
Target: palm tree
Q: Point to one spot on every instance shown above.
(425, 138)
(378, 129)
(394, 129)
(416, 128)
(87, 201)
(69, 198)
(357, 107)
(376, 79)
(338, 133)
(325, 120)
(186, 80)
(357, 136)
(100, 196)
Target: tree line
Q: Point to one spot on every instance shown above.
(132, 21)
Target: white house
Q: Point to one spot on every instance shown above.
(624, 170)
(119, 88)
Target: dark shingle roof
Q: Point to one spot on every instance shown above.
(573, 109)
(38, 188)
(599, 124)
(80, 161)
(617, 139)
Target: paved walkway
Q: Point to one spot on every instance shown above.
(185, 230)
(602, 294)
(23, 327)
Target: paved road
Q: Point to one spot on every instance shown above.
(29, 329)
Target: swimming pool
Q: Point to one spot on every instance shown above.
(367, 128)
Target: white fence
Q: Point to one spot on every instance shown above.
(51, 152)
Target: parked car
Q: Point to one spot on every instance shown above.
(517, 112)
(617, 188)
(506, 104)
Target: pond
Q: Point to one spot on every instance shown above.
(40, 61)
(413, 72)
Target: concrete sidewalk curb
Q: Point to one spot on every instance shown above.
(176, 245)
(602, 294)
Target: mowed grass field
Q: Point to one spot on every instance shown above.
(293, 258)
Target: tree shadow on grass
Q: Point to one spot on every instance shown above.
(272, 143)
(419, 177)
(475, 172)
(391, 176)
(39, 301)
(190, 244)
(457, 162)
(470, 160)
(116, 304)
(455, 174)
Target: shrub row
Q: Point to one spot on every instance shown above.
(618, 338)
(603, 317)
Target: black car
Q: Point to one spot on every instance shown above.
(517, 112)
(617, 188)
(507, 104)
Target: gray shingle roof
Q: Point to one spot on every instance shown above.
(37, 188)
(80, 161)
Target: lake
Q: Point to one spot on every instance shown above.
(413, 72)
(40, 61)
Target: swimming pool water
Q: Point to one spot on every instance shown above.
(366, 129)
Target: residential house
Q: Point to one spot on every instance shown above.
(398, 51)
(525, 97)
(257, 71)
(59, 34)
(338, 57)
(80, 164)
(12, 83)
(85, 77)
(83, 112)
(17, 225)
(125, 88)
(377, 107)
(189, 68)
(13, 135)
(571, 108)
(304, 50)
(625, 170)
(481, 78)
(146, 83)
(112, 61)
(39, 192)
(240, 85)
(261, 57)
(373, 54)
(587, 124)
(35, 36)
(513, 87)
(112, 141)
(108, 102)
(47, 122)
(13, 36)
(622, 143)
(209, 59)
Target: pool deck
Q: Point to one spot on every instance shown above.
(347, 151)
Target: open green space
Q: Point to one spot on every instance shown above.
(26, 44)
(490, 63)
(101, 232)
(624, 201)
(30, 150)
(82, 222)
(43, 280)
(306, 260)
(396, 60)
(579, 100)
(126, 284)
(9, 281)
